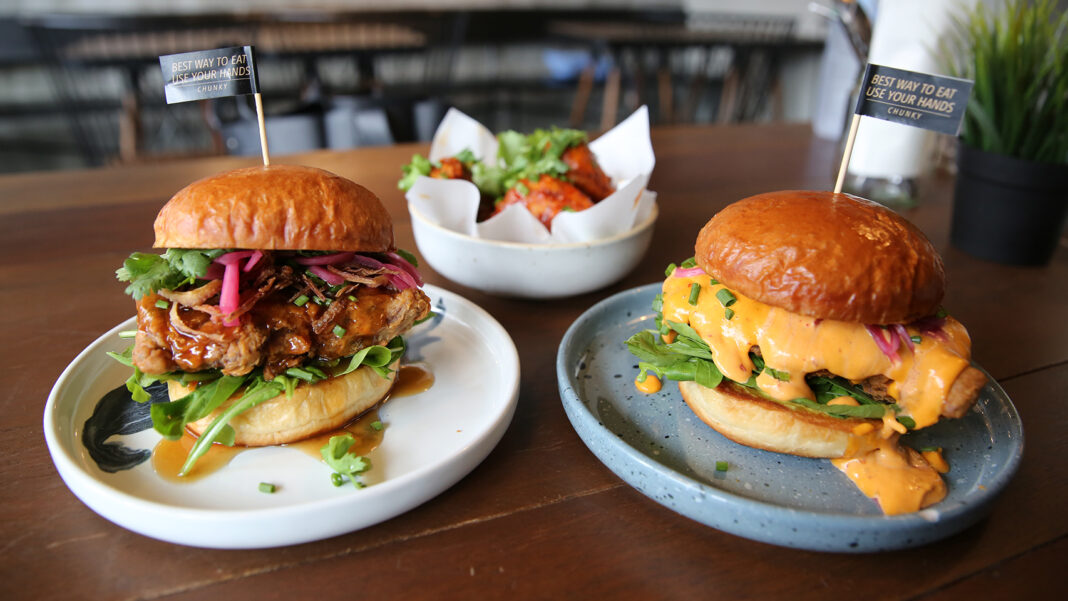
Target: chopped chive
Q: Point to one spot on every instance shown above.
(941, 313)
(301, 300)
(315, 371)
(713, 282)
(695, 291)
(376, 425)
(267, 487)
(726, 297)
(670, 269)
(336, 479)
(916, 339)
(728, 313)
(162, 304)
(352, 297)
(339, 331)
(128, 334)
(929, 449)
(358, 484)
(721, 466)
(688, 263)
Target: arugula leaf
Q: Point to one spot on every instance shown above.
(667, 362)
(409, 257)
(220, 430)
(874, 411)
(827, 388)
(170, 419)
(336, 455)
(376, 357)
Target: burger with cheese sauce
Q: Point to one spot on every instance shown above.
(277, 310)
(809, 323)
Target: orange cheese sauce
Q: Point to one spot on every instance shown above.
(899, 478)
(650, 385)
(798, 345)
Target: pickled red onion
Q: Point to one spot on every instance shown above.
(400, 279)
(331, 259)
(687, 272)
(903, 335)
(403, 263)
(368, 262)
(235, 256)
(229, 299)
(327, 276)
(252, 260)
(887, 345)
(931, 326)
(214, 272)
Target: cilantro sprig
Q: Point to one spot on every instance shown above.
(149, 272)
(345, 464)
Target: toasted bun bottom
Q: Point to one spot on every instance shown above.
(758, 422)
(313, 409)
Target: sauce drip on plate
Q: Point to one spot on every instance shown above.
(169, 455)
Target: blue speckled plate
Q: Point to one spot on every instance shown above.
(658, 446)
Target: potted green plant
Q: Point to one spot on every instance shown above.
(1011, 197)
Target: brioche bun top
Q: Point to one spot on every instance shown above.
(824, 255)
(276, 207)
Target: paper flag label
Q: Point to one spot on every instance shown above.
(917, 99)
(209, 74)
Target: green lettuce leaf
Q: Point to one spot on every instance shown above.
(419, 165)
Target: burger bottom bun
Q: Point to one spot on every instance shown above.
(757, 422)
(313, 409)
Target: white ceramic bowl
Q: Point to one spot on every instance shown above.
(531, 270)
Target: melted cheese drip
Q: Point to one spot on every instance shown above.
(899, 478)
(799, 345)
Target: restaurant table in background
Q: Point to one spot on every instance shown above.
(541, 517)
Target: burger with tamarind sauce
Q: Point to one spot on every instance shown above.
(277, 310)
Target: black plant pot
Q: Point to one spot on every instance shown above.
(1006, 209)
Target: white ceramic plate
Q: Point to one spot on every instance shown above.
(432, 440)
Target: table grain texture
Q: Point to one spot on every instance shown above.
(541, 517)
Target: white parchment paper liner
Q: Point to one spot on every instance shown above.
(625, 153)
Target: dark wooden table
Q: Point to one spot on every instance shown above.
(541, 517)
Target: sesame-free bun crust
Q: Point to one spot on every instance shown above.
(276, 207)
(735, 412)
(825, 255)
(313, 409)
